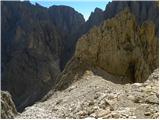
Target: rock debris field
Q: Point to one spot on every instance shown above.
(94, 97)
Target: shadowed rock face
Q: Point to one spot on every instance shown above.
(32, 47)
(118, 46)
(67, 21)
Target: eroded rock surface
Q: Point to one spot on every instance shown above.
(120, 47)
(32, 48)
(8, 109)
(94, 96)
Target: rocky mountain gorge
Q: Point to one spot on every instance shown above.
(33, 43)
(116, 48)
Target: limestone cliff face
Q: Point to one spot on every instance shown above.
(8, 110)
(143, 10)
(120, 47)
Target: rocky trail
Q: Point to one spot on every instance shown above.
(92, 96)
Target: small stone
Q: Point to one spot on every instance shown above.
(102, 113)
(152, 99)
(148, 88)
(155, 76)
(111, 108)
(147, 113)
(138, 84)
(103, 104)
(90, 110)
(93, 115)
(54, 109)
(88, 72)
(95, 107)
(107, 116)
(131, 97)
(96, 96)
(137, 100)
(71, 88)
(115, 115)
(155, 115)
(59, 101)
(82, 113)
(91, 103)
(111, 96)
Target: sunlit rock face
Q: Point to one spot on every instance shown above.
(121, 47)
(142, 10)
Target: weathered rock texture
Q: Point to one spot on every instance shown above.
(119, 46)
(8, 109)
(94, 96)
(33, 43)
(37, 42)
(67, 21)
(143, 11)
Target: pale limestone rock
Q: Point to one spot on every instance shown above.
(119, 46)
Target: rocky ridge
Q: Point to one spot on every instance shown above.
(143, 11)
(93, 96)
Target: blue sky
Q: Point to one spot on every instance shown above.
(84, 7)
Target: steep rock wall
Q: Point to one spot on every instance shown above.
(121, 47)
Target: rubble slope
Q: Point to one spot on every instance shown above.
(93, 96)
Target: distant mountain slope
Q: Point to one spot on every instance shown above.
(67, 21)
(32, 47)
